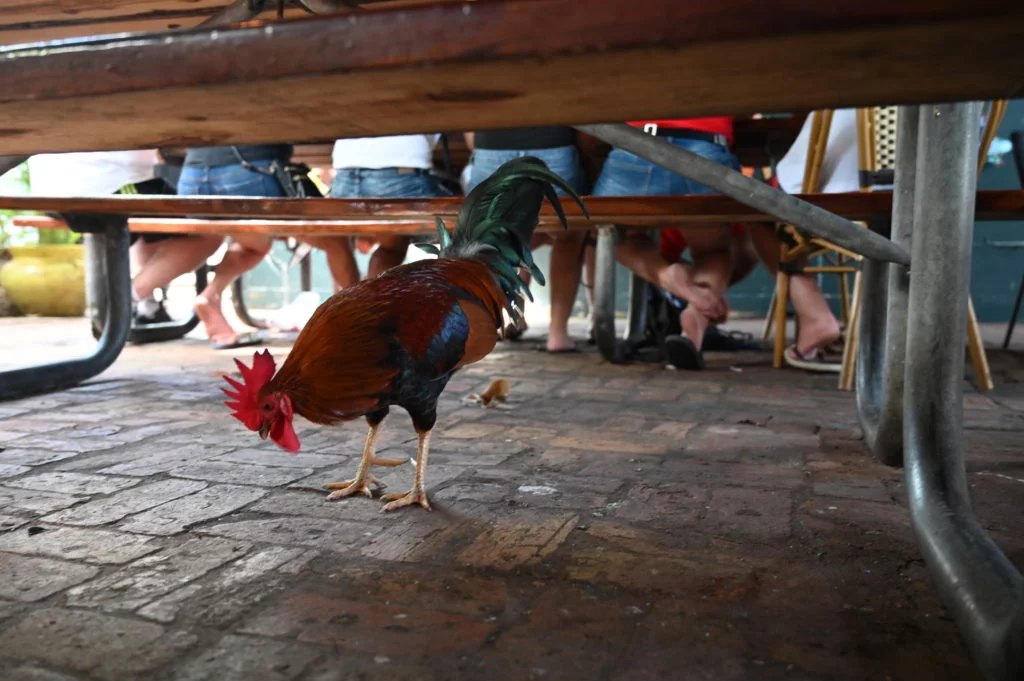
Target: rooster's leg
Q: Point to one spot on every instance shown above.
(417, 495)
(361, 483)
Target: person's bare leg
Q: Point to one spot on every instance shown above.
(641, 255)
(712, 254)
(340, 259)
(818, 327)
(391, 252)
(140, 253)
(565, 271)
(173, 258)
(244, 254)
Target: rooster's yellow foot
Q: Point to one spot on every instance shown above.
(408, 499)
(350, 487)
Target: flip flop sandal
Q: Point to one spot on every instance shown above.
(817, 363)
(244, 340)
(564, 351)
(721, 340)
(683, 354)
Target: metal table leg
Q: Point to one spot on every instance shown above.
(111, 246)
(96, 288)
(614, 349)
(238, 301)
(166, 331)
(980, 586)
(883, 315)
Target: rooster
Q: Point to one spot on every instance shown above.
(397, 339)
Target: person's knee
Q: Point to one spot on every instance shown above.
(396, 244)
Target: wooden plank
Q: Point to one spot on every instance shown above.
(505, 63)
(282, 217)
(29, 21)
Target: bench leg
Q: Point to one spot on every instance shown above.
(112, 248)
(96, 303)
(238, 301)
(883, 314)
(981, 587)
(158, 333)
(614, 349)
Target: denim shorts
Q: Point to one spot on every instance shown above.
(625, 174)
(385, 183)
(232, 180)
(563, 161)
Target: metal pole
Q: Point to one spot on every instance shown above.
(883, 317)
(18, 383)
(980, 586)
(604, 295)
(749, 191)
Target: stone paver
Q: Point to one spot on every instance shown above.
(608, 522)
(110, 648)
(120, 505)
(72, 543)
(30, 579)
(72, 483)
(155, 575)
(243, 658)
(209, 503)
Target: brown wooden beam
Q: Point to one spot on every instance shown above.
(29, 21)
(507, 63)
(656, 211)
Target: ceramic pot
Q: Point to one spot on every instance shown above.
(47, 280)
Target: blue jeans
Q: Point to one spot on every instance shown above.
(232, 180)
(625, 174)
(385, 183)
(563, 161)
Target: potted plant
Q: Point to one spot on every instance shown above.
(45, 270)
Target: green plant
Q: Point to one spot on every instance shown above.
(19, 181)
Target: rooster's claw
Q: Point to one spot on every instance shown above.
(350, 487)
(408, 499)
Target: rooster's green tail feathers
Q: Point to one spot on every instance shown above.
(497, 221)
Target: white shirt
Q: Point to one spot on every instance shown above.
(398, 151)
(839, 167)
(94, 173)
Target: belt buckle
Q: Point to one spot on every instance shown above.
(651, 129)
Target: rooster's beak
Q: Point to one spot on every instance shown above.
(264, 430)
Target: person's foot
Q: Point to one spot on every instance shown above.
(676, 279)
(151, 315)
(559, 341)
(218, 330)
(694, 324)
(814, 335)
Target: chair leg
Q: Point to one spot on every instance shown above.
(976, 346)
(781, 298)
(844, 293)
(850, 348)
(1013, 315)
(769, 318)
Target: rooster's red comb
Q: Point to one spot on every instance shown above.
(244, 401)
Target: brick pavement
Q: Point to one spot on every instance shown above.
(608, 523)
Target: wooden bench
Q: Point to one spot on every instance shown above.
(294, 217)
(416, 218)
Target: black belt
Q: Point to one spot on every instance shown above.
(686, 134)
